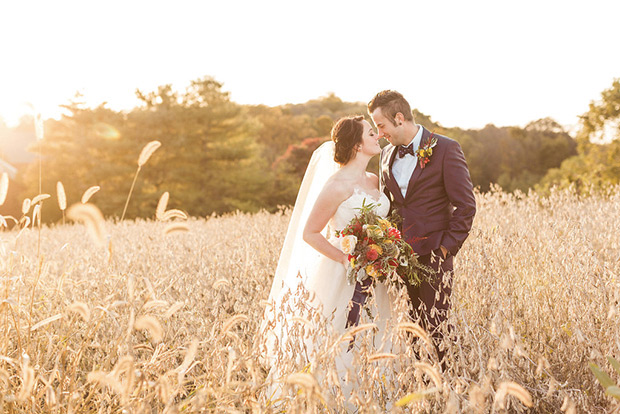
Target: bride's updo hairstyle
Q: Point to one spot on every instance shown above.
(347, 134)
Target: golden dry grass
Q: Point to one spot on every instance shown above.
(154, 322)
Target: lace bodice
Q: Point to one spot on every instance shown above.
(348, 208)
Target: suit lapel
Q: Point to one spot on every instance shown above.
(418, 170)
(390, 181)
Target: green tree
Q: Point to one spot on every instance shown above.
(277, 128)
(81, 150)
(541, 145)
(209, 160)
(330, 105)
(597, 163)
(323, 125)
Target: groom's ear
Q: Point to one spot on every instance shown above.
(399, 118)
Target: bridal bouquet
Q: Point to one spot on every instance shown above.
(376, 250)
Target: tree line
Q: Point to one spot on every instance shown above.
(218, 156)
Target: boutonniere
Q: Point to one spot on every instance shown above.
(425, 151)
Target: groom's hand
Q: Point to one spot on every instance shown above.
(444, 251)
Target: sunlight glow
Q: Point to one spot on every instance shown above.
(466, 64)
(106, 131)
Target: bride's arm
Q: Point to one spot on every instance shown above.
(325, 207)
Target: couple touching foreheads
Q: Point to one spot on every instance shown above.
(430, 190)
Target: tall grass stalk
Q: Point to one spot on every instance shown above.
(40, 132)
(535, 299)
(146, 153)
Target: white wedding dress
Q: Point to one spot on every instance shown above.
(327, 279)
(310, 300)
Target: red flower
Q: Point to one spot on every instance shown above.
(392, 232)
(393, 262)
(372, 255)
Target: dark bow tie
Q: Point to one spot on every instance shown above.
(402, 151)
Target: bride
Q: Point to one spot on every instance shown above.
(310, 285)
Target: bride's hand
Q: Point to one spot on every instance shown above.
(345, 260)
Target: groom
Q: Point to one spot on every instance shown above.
(432, 191)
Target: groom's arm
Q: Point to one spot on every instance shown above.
(459, 189)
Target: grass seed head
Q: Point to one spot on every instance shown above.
(176, 228)
(416, 330)
(46, 321)
(36, 215)
(39, 126)
(28, 378)
(81, 309)
(162, 205)
(221, 282)
(4, 187)
(232, 321)
(92, 218)
(26, 206)
(151, 304)
(432, 372)
(40, 198)
(512, 388)
(173, 309)
(174, 213)
(381, 356)
(89, 193)
(62, 197)
(147, 151)
(152, 325)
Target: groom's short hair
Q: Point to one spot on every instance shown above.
(391, 103)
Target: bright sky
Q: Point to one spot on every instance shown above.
(466, 63)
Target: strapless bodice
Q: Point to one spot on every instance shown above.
(349, 208)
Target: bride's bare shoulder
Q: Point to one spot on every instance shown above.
(338, 188)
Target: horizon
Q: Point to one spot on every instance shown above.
(572, 128)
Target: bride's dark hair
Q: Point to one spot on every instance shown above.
(347, 134)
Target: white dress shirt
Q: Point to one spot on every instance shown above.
(402, 168)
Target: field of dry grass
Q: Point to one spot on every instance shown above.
(152, 322)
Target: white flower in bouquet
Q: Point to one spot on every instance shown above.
(348, 243)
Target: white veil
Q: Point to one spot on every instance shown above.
(296, 253)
